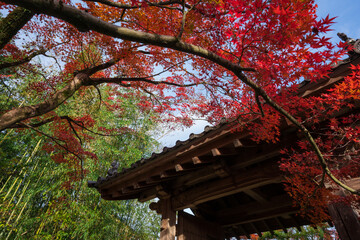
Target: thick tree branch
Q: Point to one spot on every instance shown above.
(97, 81)
(85, 22)
(100, 67)
(12, 23)
(22, 61)
(16, 115)
(127, 6)
(10, 118)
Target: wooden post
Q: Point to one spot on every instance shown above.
(168, 220)
(180, 231)
(192, 227)
(345, 220)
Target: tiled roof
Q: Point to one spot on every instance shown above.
(114, 173)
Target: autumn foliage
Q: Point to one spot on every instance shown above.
(238, 59)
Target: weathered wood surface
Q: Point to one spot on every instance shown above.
(226, 186)
(345, 220)
(168, 220)
(193, 228)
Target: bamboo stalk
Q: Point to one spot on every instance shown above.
(6, 135)
(9, 191)
(42, 224)
(44, 219)
(18, 217)
(22, 170)
(21, 196)
(10, 176)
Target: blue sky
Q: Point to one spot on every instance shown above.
(347, 21)
(347, 13)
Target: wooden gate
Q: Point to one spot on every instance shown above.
(193, 228)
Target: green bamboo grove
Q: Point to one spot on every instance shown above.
(42, 199)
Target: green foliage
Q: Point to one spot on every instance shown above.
(305, 233)
(44, 199)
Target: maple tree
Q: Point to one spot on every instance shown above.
(234, 59)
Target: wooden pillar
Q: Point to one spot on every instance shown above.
(345, 220)
(180, 231)
(168, 220)
(192, 227)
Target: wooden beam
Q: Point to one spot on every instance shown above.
(116, 194)
(221, 169)
(153, 180)
(168, 220)
(254, 212)
(215, 152)
(217, 138)
(218, 188)
(147, 195)
(246, 160)
(196, 160)
(178, 168)
(165, 174)
(207, 173)
(161, 192)
(243, 159)
(256, 196)
(127, 190)
(136, 185)
(198, 176)
(345, 220)
(237, 143)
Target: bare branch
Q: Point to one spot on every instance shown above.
(97, 81)
(183, 20)
(69, 119)
(100, 67)
(127, 6)
(33, 125)
(73, 129)
(100, 97)
(22, 61)
(56, 140)
(259, 104)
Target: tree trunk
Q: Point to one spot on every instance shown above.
(12, 23)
